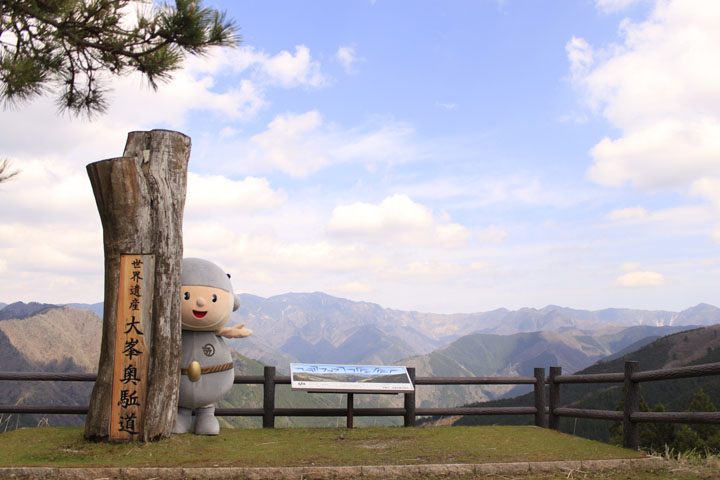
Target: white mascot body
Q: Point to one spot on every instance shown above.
(207, 371)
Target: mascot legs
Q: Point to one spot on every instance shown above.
(206, 423)
(183, 421)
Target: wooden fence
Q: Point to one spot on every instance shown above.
(543, 417)
(631, 416)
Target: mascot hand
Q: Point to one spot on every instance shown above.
(236, 331)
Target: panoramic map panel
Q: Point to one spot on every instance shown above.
(349, 378)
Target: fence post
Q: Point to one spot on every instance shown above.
(350, 411)
(269, 398)
(540, 418)
(554, 420)
(632, 404)
(410, 401)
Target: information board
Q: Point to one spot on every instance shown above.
(314, 377)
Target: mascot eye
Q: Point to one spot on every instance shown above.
(214, 298)
(187, 295)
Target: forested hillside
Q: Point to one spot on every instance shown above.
(691, 347)
(516, 355)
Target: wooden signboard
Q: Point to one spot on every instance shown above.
(129, 387)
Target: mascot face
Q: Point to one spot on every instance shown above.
(205, 308)
(206, 296)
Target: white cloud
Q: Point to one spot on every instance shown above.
(395, 219)
(630, 213)
(194, 87)
(134, 105)
(485, 190)
(289, 146)
(664, 154)
(427, 269)
(676, 217)
(275, 257)
(283, 69)
(50, 262)
(480, 266)
(580, 54)
(446, 106)
(398, 212)
(289, 70)
(347, 57)
(215, 196)
(302, 144)
(354, 287)
(708, 188)
(716, 234)
(54, 248)
(573, 117)
(228, 132)
(46, 191)
(640, 279)
(492, 234)
(659, 86)
(631, 266)
(381, 141)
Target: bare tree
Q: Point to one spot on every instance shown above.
(5, 174)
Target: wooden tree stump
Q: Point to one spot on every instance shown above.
(140, 198)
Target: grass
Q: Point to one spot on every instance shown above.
(65, 447)
(683, 466)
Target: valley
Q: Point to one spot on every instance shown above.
(319, 328)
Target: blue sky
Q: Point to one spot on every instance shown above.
(431, 156)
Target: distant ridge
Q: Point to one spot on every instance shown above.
(689, 347)
(96, 308)
(448, 327)
(319, 327)
(20, 310)
(518, 354)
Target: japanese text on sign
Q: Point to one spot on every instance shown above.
(130, 366)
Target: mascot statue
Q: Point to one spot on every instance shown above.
(207, 371)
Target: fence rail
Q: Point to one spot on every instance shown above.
(631, 415)
(269, 411)
(543, 417)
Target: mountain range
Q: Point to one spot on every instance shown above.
(690, 347)
(517, 355)
(318, 328)
(315, 327)
(20, 310)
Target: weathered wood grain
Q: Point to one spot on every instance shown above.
(140, 198)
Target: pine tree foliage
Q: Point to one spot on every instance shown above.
(72, 46)
(656, 437)
(708, 435)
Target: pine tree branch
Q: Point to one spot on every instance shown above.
(70, 41)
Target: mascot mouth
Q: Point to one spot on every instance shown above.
(199, 314)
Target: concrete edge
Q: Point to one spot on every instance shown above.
(322, 473)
